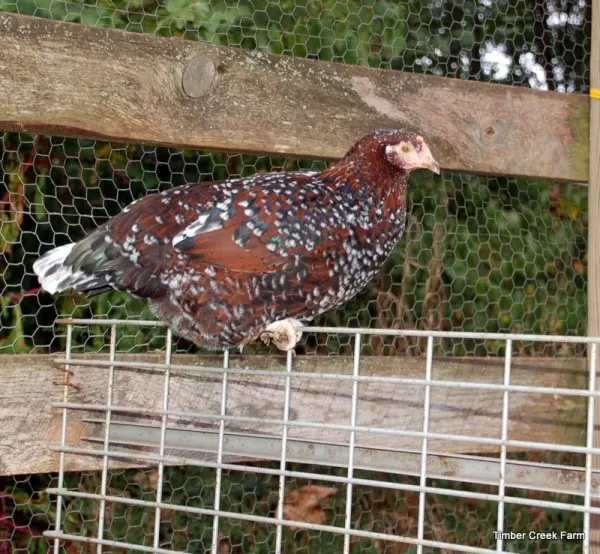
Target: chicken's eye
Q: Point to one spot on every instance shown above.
(405, 148)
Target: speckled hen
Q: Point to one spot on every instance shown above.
(224, 263)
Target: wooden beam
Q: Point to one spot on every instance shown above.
(29, 384)
(77, 80)
(593, 289)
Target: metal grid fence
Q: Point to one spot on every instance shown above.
(501, 479)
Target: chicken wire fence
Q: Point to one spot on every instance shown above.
(480, 254)
(361, 493)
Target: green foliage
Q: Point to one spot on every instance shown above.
(479, 254)
(27, 513)
(446, 32)
(366, 33)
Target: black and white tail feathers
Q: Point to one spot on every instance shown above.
(81, 266)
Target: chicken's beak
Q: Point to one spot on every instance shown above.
(432, 165)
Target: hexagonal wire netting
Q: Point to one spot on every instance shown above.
(479, 253)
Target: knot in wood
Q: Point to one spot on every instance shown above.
(198, 76)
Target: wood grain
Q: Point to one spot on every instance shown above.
(29, 384)
(76, 80)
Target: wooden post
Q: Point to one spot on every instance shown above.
(594, 237)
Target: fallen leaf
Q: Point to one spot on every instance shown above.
(306, 504)
(224, 546)
(146, 479)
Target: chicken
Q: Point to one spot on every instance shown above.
(226, 262)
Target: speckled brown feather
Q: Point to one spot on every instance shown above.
(221, 261)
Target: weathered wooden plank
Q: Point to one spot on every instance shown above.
(75, 80)
(594, 241)
(29, 384)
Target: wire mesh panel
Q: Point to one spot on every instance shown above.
(362, 492)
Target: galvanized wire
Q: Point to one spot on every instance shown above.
(347, 528)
